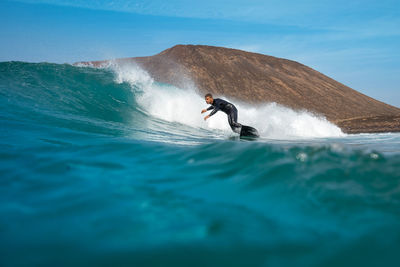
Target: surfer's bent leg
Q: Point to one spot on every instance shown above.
(232, 119)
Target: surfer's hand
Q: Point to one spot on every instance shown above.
(204, 110)
(206, 117)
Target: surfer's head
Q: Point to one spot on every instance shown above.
(209, 98)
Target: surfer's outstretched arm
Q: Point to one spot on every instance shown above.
(205, 110)
(212, 112)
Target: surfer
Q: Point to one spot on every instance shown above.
(220, 104)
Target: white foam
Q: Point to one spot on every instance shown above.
(184, 105)
(277, 122)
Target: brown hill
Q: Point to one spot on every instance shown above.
(260, 78)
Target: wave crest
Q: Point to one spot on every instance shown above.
(183, 105)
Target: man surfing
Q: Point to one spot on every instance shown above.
(230, 110)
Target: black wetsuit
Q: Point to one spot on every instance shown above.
(229, 109)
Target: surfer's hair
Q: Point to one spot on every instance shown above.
(208, 95)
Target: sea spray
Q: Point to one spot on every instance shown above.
(183, 105)
(278, 122)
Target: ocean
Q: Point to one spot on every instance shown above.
(106, 166)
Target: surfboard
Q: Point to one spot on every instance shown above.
(249, 132)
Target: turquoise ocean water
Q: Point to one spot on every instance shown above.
(107, 167)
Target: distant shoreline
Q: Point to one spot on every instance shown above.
(376, 124)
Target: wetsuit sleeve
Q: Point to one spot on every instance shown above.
(214, 111)
(210, 108)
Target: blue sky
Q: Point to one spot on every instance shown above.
(355, 42)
